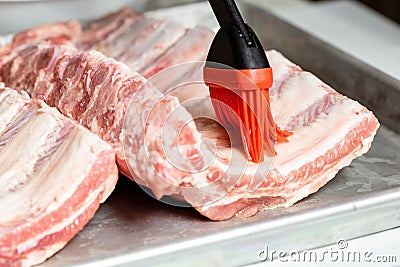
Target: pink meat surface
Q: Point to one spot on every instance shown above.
(139, 43)
(53, 176)
(146, 45)
(192, 46)
(58, 33)
(88, 87)
(106, 27)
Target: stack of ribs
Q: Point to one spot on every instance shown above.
(96, 75)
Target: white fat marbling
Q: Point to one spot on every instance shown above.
(297, 94)
(307, 143)
(10, 103)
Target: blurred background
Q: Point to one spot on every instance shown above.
(16, 15)
(389, 8)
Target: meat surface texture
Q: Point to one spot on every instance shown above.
(88, 87)
(146, 45)
(53, 175)
(58, 33)
(160, 146)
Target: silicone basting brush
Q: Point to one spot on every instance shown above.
(239, 76)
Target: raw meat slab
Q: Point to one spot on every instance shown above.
(329, 131)
(53, 176)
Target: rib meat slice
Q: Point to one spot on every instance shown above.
(146, 45)
(329, 131)
(106, 27)
(53, 176)
(140, 43)
(193, 46)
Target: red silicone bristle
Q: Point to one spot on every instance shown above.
(278, 134)
(229, 107)
(225, 106)
(253, 117)
(248, 110)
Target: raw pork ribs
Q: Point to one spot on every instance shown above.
(329, 130)
(53, 175)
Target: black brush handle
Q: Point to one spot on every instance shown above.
(227, 13)
(235, 45)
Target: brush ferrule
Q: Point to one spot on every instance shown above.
(245, 80)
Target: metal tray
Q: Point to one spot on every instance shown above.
(133, 229)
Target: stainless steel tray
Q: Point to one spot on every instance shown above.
(133, 229)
